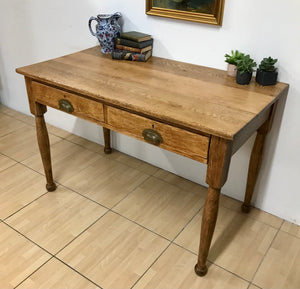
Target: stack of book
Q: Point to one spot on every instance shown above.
(133, 45)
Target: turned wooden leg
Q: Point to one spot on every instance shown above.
(107, 147)
(217, 171)
(254, 165)
(44, 146)
(209, 218)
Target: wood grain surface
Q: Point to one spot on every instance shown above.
(83, 108)
(194, 146)
(199, 98)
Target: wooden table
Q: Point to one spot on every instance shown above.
(198, 112)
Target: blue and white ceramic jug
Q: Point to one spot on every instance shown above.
(107, 29)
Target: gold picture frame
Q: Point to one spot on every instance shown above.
(207, 11)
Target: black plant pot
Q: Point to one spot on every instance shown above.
(266, 77)
(243, 78)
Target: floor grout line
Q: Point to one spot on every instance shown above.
(264, 256)
(171, 242)
(82, 195)
(9, 167)
(208, 260)
(34, 271)
(55, 257)
(193, 217)
(253, 285)
(103, 155)
(151, 265)
(132, 221)
(227, 270)
(136, 187)
(111, 210)
(76, 237)
(290, 234)
(128, 193)
(28, 204)
(248, 215)
(27, 238)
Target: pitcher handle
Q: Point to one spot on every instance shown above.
(117, 15)
(90, 25)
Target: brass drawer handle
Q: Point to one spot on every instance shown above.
(152, 136)
(65, 105)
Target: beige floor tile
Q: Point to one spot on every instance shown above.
(67, 159)
(291, 228)
(9, 124)
(175, 269)
(255, 213)
(11, 112)
(133, 162)
(266, 218)
(280, 268)
(5, 109)
(18, 187)
(22, 143)
(161, 207)
(114, 252)
(179, 181)
(55, 275)
(252, 286)
(230, 203)
(58, 131)
(5, 162)
(95, 147)
(56, 218)
(18, 257)
(239, 243)
(28, 119)
(106, 181)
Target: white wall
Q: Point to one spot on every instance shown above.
(34, 30)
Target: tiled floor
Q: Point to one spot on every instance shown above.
(117, 222)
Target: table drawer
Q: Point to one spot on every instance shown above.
(192, 145)
(68, 102)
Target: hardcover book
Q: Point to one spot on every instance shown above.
(138, 50)
(127, 55)
(136, 36)
(134, 44)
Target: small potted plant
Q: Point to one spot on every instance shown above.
(232, 62)
(245, 68)
(266, 73)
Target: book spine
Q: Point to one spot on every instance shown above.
(135, 36)
(125, 55)
(128, 48)
(136, 39)
(134, 44)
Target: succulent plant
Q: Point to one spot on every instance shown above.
(246, 64)
(267, 64)
(234, 57)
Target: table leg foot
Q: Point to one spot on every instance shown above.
(200, 271)
(245, 208)
(51, 187)
(107, 151)
(107, 147)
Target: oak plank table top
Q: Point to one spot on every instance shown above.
(196, 97)
(197, 111)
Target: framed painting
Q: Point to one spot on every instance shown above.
(204, 11)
